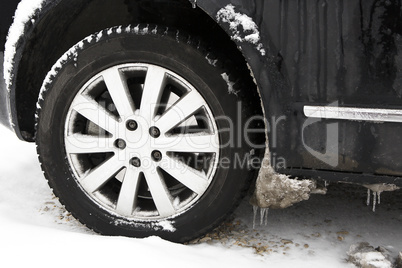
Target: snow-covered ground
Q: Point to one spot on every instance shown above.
(36, 230)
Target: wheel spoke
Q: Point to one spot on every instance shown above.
(180, 111)
(128, 192)
(190, 143)
(191, 178)
(118, 89)
(153, 89)
(95, 113)
(160, 193)
(85, 144)
(101, 174)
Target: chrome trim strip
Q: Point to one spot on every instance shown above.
(356, 114)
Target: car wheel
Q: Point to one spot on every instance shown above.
(132, 130)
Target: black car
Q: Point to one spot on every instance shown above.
(154, 117)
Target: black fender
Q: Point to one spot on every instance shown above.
(8, 96)
(264, 66)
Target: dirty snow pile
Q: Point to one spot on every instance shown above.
(24, 13)
(364, 255)
(398, 263)
(279, 192)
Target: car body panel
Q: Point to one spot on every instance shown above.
(6, 17)
(341, 53)
(8, 99)
(4, 99)
(337, 53)
(329, 53)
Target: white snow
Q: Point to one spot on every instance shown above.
(99, 36)
(25, 11)
(165, 225)
(136, 28)
(155, 30)
(376, 259)
(145, 30)
(211, 61)
(243, 28)
(230, 84)
(37, 231)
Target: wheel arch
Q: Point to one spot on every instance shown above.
(59, 24)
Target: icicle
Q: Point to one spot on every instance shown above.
(263, 215)
(379, 197)
(262, 212)
(368, 197)
(266, 217)
(255, 210)
(374, 200)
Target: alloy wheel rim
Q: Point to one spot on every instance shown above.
(141, 141)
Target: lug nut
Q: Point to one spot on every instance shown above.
(156, 155)
(154, 132)
(131, 125)
(135, 161)
(119, 143)
(111, 107)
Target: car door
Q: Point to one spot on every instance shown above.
(342, 65)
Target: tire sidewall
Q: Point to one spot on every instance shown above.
(172, 54)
